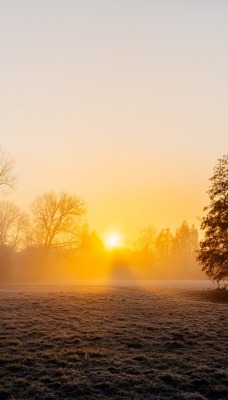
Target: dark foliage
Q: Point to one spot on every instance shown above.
(213, 253)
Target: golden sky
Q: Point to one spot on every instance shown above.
(121, 102)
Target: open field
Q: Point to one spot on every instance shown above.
(161, 341)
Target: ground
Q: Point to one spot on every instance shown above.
(118, 342)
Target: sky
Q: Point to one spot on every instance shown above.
(121, 102)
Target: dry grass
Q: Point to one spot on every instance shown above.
(114, 342)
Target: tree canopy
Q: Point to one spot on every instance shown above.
(213, 253)
(56, 219)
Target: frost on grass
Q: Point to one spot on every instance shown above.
(116, 342)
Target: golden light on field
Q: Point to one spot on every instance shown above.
(113, 240)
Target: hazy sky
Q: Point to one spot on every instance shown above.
(123, 102)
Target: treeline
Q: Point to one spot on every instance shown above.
(53, 242)
(168, 255)
(29, 242)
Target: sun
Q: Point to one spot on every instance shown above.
(113, 240)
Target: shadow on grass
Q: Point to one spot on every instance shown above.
(213, 296)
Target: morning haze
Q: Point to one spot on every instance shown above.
(113, 140)
(123, 104)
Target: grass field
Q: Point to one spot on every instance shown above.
(161, 341)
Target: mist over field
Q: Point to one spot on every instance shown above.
(153, 255)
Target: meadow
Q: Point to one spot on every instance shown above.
(149, 341)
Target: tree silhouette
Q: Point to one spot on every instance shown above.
(146, 241)
(164, 243)
(13, 225)
(57, 220)
(7, 179)
(13, 230)
(186, 243)
(213, 253)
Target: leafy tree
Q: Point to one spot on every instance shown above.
(213, 253)
(57, 220)
(7, 179)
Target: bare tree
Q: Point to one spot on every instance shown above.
(13, 226)
(7, 179)
(145, 244)
(57, 220)
(164, 243)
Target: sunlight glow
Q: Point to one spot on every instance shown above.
(113, 240)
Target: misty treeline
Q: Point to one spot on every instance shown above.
(170, 255)
(53, 242)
